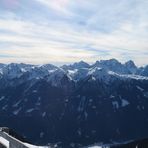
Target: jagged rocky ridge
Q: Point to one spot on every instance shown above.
(75, 105)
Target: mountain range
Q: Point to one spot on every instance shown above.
(75, 105)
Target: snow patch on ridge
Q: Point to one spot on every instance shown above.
(124, 102)
(115, 104)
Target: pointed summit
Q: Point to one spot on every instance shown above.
(130, 63)
(110, 62)
(49, 66)
(143, 71)
(77, 65)
(80, 64)
(112, 65)
(131, 66)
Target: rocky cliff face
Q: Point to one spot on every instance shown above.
(75, 105)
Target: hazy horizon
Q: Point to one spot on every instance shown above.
(67, 31)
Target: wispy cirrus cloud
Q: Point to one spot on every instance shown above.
(65, 31)
(59, 6)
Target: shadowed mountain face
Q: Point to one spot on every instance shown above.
(143, 143)
(75, 105)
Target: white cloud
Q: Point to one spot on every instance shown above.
(59, 6)
(63, 40)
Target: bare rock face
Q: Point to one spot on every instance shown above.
(75, 105)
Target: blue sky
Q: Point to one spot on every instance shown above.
(65, 31)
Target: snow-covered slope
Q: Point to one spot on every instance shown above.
(143, 71)
(77, 71)
(77, 65)
(75, 103)
(112, 65)
(34, 146)
(130, 65)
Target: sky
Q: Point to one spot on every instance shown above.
(66, 31)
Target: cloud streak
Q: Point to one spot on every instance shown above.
(62, 31)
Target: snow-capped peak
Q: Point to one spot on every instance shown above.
(131, 66)
(104, 69)
(81, 64)
(49, 66)
(77, 65)
(143, 71)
